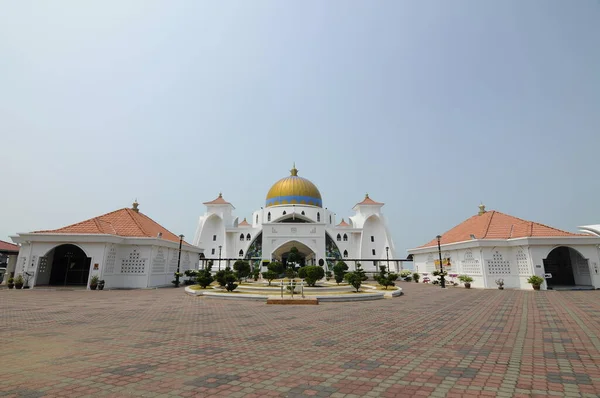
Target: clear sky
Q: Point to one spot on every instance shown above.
(429, 106)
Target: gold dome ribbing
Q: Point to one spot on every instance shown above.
(294, 190)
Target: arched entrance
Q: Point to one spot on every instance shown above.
(307, 255)
(568, 268)
(64, 265)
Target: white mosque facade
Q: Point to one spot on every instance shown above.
(293, 216)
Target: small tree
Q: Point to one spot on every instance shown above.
(269, 276)
(220, 276)
(256, 272)
(311, 274)
(276, 267)
(328, 275)
(356, 278)
(294, 258)
(416, 277)
(339, 270)
(385, 278)
(205, 278)
(242, 269)
(230, 279)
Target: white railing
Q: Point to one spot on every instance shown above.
(292, 284)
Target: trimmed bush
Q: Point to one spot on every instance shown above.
(311, 274)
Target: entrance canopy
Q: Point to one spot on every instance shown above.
(283, 251)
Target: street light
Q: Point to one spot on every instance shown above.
(387, 256)
(220, 247)
(178, 261)
(442, 279)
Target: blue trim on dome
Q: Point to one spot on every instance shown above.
(308, 199)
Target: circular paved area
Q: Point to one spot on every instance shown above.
(430, 342)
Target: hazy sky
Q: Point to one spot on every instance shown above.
(429, 106)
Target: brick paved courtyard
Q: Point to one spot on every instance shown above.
(429, 342)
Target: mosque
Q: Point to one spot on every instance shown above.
(293, 216)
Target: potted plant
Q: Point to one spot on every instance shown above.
(19, 281)
(101, 284)
(94, 282)
(10, 282)
(466, 279)
(536, 281)
(500, 283)
(416, 277)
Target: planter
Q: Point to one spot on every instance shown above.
(467, 285)
(500, 287)
(536, 287)
(101, 287)
(18, 285)
(10, 285)
(93, 287)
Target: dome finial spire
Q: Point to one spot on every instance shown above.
(294, 170)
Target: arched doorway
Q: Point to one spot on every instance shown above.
(567, 267)
(307, 255)
(64, 265)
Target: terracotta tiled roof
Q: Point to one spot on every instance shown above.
(124, 222)
(368, 201)
(8, 247)
(496, 225)
(244, 223)
(343, 224)
(218, 201)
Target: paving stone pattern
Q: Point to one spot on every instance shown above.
(429, 342)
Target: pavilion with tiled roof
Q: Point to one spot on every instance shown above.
(125, 247)
(492, 245)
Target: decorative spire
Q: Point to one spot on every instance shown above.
(367, 195)
(135, 206)
(220, 194)
(481, 209)
(294, 170)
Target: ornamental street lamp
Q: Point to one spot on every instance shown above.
(220, 247)
(387, 256)
(442, 279)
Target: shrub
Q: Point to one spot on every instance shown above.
(534, 280)
(311, 274)
(328, 275)
(270, 275)
(205, 278)
(230, 279)
(220, 277)
(386, 279)
(242, 269)
(339, 270)
(404, 273)
(356, 278)
(276, 267)
(465, 279)
(416, 277)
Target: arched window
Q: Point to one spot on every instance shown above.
(345, 238)
(284, 213)
(373, 251)
(339, 237)
(318, 217)
(214, 238)
(257, 218)
(269, 216)
(241, 253)
(303, 213)
(242, 237)
(345, 253)
(329, 219)
(248, 237)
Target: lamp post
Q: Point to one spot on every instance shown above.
(442, 279)
(387, 256)
(178, 262)
(220, 247)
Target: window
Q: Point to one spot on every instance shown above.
(257, 218)
(214, 238)
(339, 237)
(212, 251)
(318, 217)
(241, 253)
(242, 237)
(373, 251)
(372, 238)
(248, 237)
(345, 238)
(330, 219)
(345, 253)
(269, 216)
(284, 213)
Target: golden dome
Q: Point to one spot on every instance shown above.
(294, 190)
